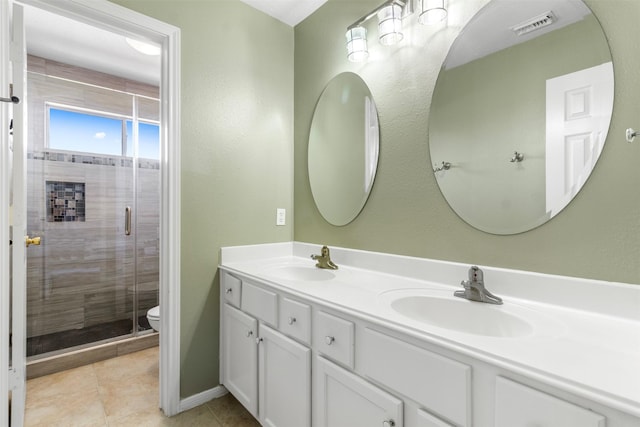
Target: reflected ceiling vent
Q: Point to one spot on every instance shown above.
(534, 24)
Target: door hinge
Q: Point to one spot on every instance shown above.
(16, 380)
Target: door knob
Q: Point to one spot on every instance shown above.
(32, 241)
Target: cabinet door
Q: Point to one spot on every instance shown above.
(284, 380)
(240, 357)
(343, 399)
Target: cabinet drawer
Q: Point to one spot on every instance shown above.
(260, 303)
(231, 288)
(295, 320)
(334, 337)
(441, 385)
(519, 405)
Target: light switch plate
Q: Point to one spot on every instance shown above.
(281, 216)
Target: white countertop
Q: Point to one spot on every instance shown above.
(585, 337)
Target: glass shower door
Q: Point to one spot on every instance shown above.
(81, 281)
(144, 140)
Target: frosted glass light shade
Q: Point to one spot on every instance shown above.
(390, 24)
(357, 44)
(431, 11)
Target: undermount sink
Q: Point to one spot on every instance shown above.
(301, 273)
(441, 309)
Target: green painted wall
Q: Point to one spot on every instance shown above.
(237, 153)
(597, 236)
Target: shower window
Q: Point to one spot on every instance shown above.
(90, 133)
(100, 133)
(148, 140)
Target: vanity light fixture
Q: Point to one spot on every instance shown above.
(357, 44)
(431, 11)
(390, 15)
(390, 24)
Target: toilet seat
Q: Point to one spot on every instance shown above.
(153, 316)
(154, 313)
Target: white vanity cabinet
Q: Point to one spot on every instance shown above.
(295, 361)
(269, 373)
(343, 399)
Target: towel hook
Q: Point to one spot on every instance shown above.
(445, 167)
(517, 157)
(631, 134)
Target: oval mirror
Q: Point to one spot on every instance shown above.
(343, 148)
(520, 112)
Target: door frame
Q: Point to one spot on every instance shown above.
(115, 18)
(5, 79)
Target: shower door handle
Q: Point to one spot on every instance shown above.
(127, 221)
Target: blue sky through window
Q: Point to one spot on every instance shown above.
(148, 140)
(73, 131)
(88, 133)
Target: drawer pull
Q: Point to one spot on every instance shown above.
(388, 423)
(329, 340)
(291, 320)
(259, 340)
(249, 333)
(229, 290)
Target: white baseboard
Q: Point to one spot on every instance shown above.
(202, 397)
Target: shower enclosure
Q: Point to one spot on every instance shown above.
(93, 196)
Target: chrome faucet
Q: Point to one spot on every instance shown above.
(474, 289)
(324, 259)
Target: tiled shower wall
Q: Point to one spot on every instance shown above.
(83, 273)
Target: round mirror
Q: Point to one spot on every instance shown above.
(520, 112)
(343, 148)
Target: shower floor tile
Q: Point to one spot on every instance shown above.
(122, 391)
(75, 337)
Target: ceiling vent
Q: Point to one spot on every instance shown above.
(534, 24)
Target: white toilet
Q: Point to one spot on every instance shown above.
(153, 316)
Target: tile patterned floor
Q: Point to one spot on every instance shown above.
(119, 392)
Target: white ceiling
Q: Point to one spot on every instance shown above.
(291, 12)
(68, 41)
(65, 40)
